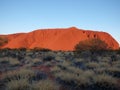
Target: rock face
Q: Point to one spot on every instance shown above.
(56, 39)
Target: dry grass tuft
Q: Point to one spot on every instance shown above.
(16, 75)
(92, 65)
(14, 61)
(104, 80)
(21, 84)
(55, 69)
(45, 85)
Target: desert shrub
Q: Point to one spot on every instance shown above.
(65, 78)
(80, 63)
(18, 74)
(55, 69)
(39, 75)
(100, 70)
(116, 64)
(45, 49)
(6, 49)
(3, 53)
(28, 59)
(14, 62)
(41, 49)
(60, 53)
(77, 60)
(45, 85)
(118, 57)
(74, 70)
(74, 80)
(28, 65)
(92, 45)
(4, 65)
(22, 49)
(59, 59)
(105, 82)
(4, 61)
(68, 55)
(82, 81)
(92, 65)
(20, 84)
(48, 64)
(114, 71)
(113, 57)
(89, 74)
(104, 64)
(105, 59)
(64, 65)
(85, 54)
(49, 56)
(36, 62)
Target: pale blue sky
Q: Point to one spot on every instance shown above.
(27, 15)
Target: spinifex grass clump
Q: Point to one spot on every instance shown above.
(18, 74)
(114, 71)
(105, 82)
(92, 65)
(20, 84)
(45, 85)
(14, 62)
(59, 70)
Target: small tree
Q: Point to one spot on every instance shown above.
(92, 45)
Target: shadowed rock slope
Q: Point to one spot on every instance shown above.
(56, 39)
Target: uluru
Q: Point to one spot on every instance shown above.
(56, 39)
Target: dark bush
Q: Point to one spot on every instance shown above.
(5, 62)
(93, 45)
(48, 58)
(39, 75)
(41, 49)
(37, 64)
(22, 49)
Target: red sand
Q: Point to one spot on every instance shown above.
(57, 39)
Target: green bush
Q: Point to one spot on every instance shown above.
(92, 45)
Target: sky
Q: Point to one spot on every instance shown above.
(28, 15)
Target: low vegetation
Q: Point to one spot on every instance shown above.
(22, 69)
(91, 44)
